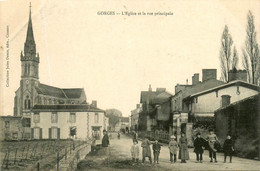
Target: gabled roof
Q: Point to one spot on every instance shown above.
(148, 95)
(232, 83)
(202, 86)
(66, 108)
(58, 92)
(50, 91)
(73, 92)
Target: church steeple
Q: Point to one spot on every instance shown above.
(30, 46)
(29, 58)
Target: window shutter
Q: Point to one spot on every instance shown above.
(40, 133)
(58, 133)
(49, 133)
(32, 133)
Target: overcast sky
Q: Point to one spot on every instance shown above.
(115, 57)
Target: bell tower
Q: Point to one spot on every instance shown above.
(29, 73)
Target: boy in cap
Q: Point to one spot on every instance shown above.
(228, 148)
(156, 151)
(199, 147)
(173, 147)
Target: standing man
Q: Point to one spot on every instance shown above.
(212, 140)
(105, 139)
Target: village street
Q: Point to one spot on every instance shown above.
(119, 158)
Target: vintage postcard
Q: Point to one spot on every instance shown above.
(129, 85)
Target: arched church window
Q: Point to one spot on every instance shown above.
(28, 69)
(25, 69)
(27, 103)
(50, 101)
(45, 101)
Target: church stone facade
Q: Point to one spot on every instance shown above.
(31, 91)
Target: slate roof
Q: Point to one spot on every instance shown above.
(232, 83)
(66, 108)
(202, 86)
(155, 96)
(58, 92)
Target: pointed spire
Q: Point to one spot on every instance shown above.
(29, 46)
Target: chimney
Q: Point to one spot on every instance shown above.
(187, 81)
(137, 106)
(195, 79)
(150, 88)
(208, 74)
(235, 74)
(94, 103)
(225, 100)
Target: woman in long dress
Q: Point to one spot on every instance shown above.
(183, 151)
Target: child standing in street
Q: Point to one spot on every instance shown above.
(135, 152)
(156, 151)
(228, 148)
(173, 147)
(199, 147)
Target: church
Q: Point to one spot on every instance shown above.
(31, 91)
(50, 112)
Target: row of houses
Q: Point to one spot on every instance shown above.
(198, 106)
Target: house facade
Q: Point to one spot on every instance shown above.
(241, 121)
(206, 102)
(68, 121)
(135, 117)
(156, 110)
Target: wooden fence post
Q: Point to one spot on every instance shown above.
(7, 159)
(15, 155)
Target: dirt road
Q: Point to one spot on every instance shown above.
(118, 157)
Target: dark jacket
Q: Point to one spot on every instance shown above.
(198, 144)
(228, 147)
(105, 141)
(156, 147)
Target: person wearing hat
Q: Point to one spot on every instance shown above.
(228, 148)
(173, 147)
(146, 149)
(156, 151)
(212, 140)
(199, 147)
(183, 151)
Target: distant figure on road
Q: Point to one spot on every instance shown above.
(228, 148)
(118, 135)
(199, 147)
(146, 149)
(105, 139)
(173, 147)
(212, 140)
(156, 151)
(135, 152)
(183, 152)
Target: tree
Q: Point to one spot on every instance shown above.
(227, 61)
(113, 115)
(251, 56)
